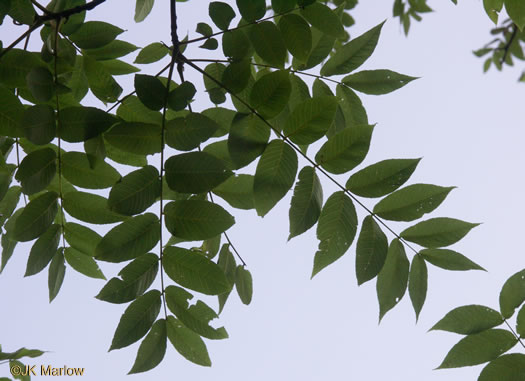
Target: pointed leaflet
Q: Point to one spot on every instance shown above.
(43, 250)
(336, 230)
(100, 80)
(296, 35)
(449, 260)
(111, 51)
(135, 137)
(9, 203)
(393, 278)
(143, 9)
(187, 343)
(310, 119)
(81, 238)
(221, 14)
(377, 82)
(509, 367)
(95, 34)
(411, 202)
(467, 320)
(270, 93)
(353, 54)
(8, 247)
(492, 8)
(150, 91)
(274, 176)
(418, 283)
(371, 251)
(151, 53)
(137, 320)
(90, 208)
(22, 352)
(268, 43)
(36, 217)
(135, 236)
(324, 19)
(353, 111)
(247, 139)
(512, 294)
(125, 158)
(479, 348)
(381, 178)
(196, 317)
(78, 124)
(237, 191)
(83, 263)
(516, 11)
(307, 201)
(135, 192)
(251, 10)
(57, 270)
(437, 232)
(137, 277)
(152, 349)
(37, 170)
(345, 150)
(76, 168)
(244, 284)
(227, 263)
(194, 271)
(39, 124)
(185, 134)
(322, 45)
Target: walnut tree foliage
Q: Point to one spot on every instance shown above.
(152, 184)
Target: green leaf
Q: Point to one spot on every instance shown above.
(11, 111)
(143, 9)
(377, 82)
(243, 284)
(194, 271)
(196, 219)
(449, 260)
(520, 322)
(39, 124)
(418, 283)
(352, 55)
(78, 124)
(296, 35)
(393, 278)
(322, 45)
(115, 49)
(512, 294)
(101, 82)
(118, 67)
(137, 320)
(16, 64)
(152, 349)
(41, 84)
(516, 11)
(95, 34)
(509, 367)
(381, 178)
(134, 137)
(281, 6)
(353, 111)
(324, 19)
(195, 172)
(492, 8)
(22, 352)
(36, 217)
(274, 176)
(336, 230)
(251, 10)
(90, 208)
(9, 203)
(236, 76)
(221, 14)
(371, 251)
(57, 270)
(185, 134)
(135, 192)
(247, 139)
(8, 247)
(270, 93)
(307, 201)
(83, 263)
(125, 158)
(227, 263)
(81, 238)
(151, 53)
(411, 202)
(268, 42)
(180, 97)
(196, 317)
(479, 348)
(43, 250)
(237, 191)
(204, 29)
(77, 170)
(236, 45)
(187, 343)
(137, 277)
(22, 11)
(345, 150)
(467, 320)
(150, 91)
(310, 119)
(437, 232)
(133, 237)
(37, 170)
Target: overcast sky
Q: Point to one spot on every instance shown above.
(466, 125)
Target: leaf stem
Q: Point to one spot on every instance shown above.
(514, 333)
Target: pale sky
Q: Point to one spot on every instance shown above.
(467, 127)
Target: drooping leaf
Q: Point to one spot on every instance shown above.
(324, 19)
(393, 278)
(185, 134)
(78, 124)
(152, 349)
(351, 106)
(336, 230)
(133, 237)
(22, 352)
(83, 263)
(247, 139)
(137, 320)
(268, 42)
(492, 8)
(36, 217)
(467, 320)
(11, 111)
(196, 219)
(512, 294)
(237, 191)
(90, 208)
(134, 137)
(150, 91)
(244, 284)
(57, 270)
(76, 168)
(251, 10)
(9, 203)
(381, 178)
(516, 11)
(194, 271)
(449, 260)
(236, 45)
(81, 238)
(274, 176)
(437, 232)
(221, 14)
(43, 250)
(187, 343)
(509, 367)
(296, 35)
(270, 93)
(95, 34)
(371, 251)
(479, 348)
(37, 170)
(227, 263)
(377, 82)
(417, 283)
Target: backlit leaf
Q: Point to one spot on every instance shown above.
(95, 34)
(296, 35)
(152, 349)
(221, 14)
(509, 367)
(449, 260)
(151, 53)
(37, 170)
(83, 263)
(90, 208)
(77, 169)
(467, 320)
(243, 284)
(251, 10)
(437, 232)
(57, 270)
(512, 294)
(187, 343)
(377, 82)
(43, 250)
(185, 134)
(143, 9)
(81, 238)
(268, 42)
(150, 91)
(270, 93)
(417, 283)
(137, 138)
(36, 217)
(237, 191)
(371, 251)
(247, 139)
(324, 19)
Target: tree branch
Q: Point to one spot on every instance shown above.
(69, 12)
